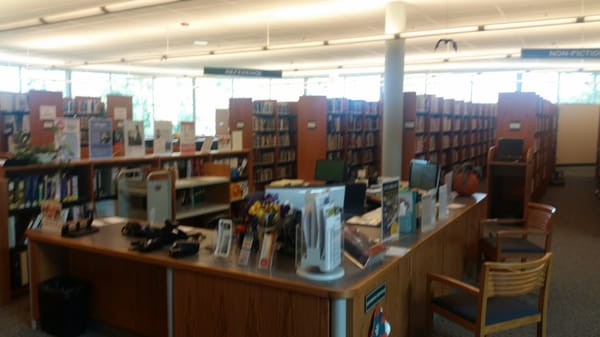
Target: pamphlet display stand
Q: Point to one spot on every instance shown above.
(319, 250)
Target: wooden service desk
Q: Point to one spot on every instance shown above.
(151, 294)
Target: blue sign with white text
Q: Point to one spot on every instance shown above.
(581, 53)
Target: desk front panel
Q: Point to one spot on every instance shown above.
(210, 306)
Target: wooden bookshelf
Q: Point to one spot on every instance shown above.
(88, 177)
(44, 108)
(271, 134)
(446, 131)
(312, 125)
(527, 116)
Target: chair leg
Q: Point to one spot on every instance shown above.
(541, 329)
(429, 320)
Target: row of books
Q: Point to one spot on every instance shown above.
(28, 191)
(10, 102)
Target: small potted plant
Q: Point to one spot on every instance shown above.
(466, 179)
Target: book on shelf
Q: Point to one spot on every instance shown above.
(134, 138)
(187, 137)
(67, 137)
(100, 135)
(163, 137)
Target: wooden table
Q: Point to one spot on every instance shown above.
(151, 294)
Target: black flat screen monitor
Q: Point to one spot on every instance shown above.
(509, 149)
(330, 170)
(423, 175)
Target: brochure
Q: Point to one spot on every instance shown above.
(163, 137)
(100, 137)
(67, 138)
(187, 137)
(134, 138)
(389, 209)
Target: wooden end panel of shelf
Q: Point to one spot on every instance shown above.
(409, 132)
(240, 119)
(518, 108)
(312, 134)
(5, 287)
(230, 308)
(40, 103)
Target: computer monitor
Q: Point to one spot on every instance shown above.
(330, 170)
(354, 199)
(423, 175)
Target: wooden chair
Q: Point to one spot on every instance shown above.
(503, 301)
(518, 239)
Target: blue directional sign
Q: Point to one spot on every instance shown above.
(581, 53)
(242, 72)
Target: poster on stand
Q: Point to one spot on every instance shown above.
(163, 137)
(187, 137)
(67, 137)
(134, 138)
(100, 137)
(389, 208)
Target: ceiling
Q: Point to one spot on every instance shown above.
(160, 39)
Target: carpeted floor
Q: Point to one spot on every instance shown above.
(575, 285)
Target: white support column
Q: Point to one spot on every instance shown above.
(393, 97)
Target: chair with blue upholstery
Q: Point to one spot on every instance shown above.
(518, 239)
(512, 294)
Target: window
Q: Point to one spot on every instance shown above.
(544, 84)
(172, 101)
(577, 87)
(40, 79)
(211, 94)
(9, 81)
(89, 84)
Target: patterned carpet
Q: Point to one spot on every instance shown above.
(575, 285)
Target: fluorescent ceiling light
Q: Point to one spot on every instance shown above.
(134, 4)
(444, 31)
(200, 43)
(362, 39)
(295, 45)
(78, 14)
(20, 24)
(528, 24)
(591, 18)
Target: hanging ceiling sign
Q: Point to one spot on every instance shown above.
(242, 72)
(582, 53)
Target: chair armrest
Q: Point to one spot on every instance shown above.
(452, 282)
(492, 225)
(516, 232)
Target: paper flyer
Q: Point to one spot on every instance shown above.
(389, 209)
(163, 137)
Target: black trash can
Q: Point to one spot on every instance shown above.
(63, 305)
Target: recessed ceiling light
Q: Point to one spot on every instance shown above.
(200, 43)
